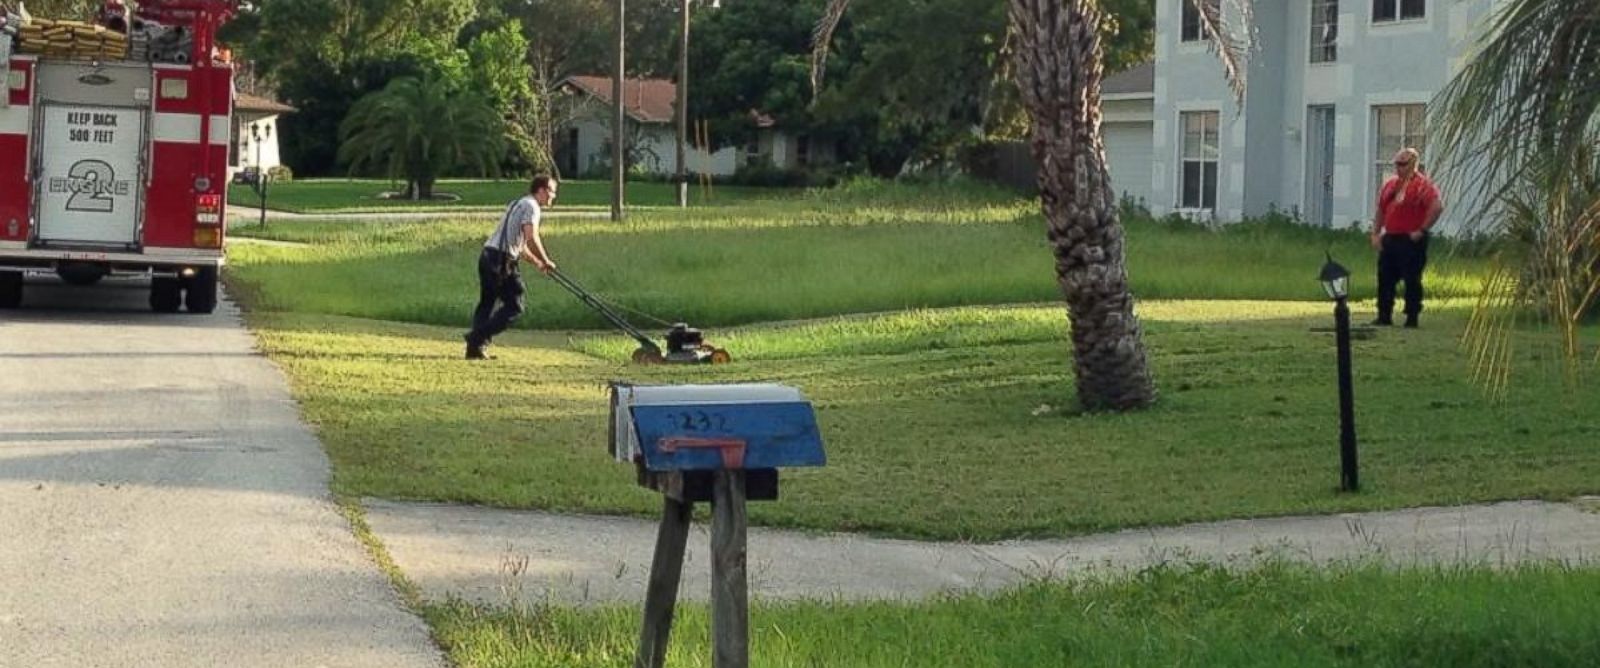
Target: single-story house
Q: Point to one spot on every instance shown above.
(1335, 88)
(649, 107)
(255, 132)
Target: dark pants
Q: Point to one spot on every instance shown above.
(495, 285)
(1401, 260)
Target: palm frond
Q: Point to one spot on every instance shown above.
(421, 128)
(1529, 95)
(1230, 38)
(1516, 130)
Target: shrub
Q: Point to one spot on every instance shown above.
(764, 174)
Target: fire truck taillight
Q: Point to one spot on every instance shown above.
(208, 210)
(207, 237)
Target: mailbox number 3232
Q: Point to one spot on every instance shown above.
(699, 421)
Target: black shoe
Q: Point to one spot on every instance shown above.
(1382, 322)
(1411, 322)
(475, 350)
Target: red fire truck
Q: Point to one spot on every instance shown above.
(119, 167)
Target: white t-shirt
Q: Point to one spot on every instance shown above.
(508, 236)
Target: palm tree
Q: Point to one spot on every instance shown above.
(1520, 125)
(419, 129)
(1058, 69)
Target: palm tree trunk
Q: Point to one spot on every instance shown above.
(1058, 70)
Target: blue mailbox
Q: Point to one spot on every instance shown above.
(714, 427)
(679, 436)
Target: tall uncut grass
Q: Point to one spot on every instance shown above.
(358, 195)
(864, 247)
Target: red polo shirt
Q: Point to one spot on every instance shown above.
(1404, 213)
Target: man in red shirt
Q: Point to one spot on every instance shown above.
(1408, 207)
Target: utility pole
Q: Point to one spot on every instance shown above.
(619, 170)
(683, 110)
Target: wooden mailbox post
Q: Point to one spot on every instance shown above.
(718, 443)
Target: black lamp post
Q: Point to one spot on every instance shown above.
(261, 174)
(1336, 281)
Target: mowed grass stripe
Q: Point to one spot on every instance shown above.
(965, 440)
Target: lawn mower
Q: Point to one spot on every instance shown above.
(684, 343)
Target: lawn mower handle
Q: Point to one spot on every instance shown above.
(600, 307)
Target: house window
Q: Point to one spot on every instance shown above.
(1193, 28)
(802, 151)
(1324, 31)
(1398, 10)
(1394, 127)
(752, 153)
(1198, 164)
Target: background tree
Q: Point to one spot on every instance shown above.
(1128, 33)
(1519, 127)
(322, 55)
(749, 56)
(70, 10)
(421, 128)
(498, 68)
(933, 73)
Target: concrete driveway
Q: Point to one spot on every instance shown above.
(162, 505)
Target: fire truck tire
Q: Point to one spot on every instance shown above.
(166, 294)
(10, 289)
(200, 296)
(80, 273)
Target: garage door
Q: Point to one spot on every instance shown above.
(1129, 152)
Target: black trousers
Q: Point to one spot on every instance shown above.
(1401, 259)
(495, 286)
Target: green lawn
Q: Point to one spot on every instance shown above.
(941, 423)
(362, 195)
(956, 425)
(1276, 615)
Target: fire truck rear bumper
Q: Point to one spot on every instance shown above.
(16, 256)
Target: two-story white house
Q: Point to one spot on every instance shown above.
(1335, 88)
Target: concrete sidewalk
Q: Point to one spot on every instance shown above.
(162, 504)
(494, 556)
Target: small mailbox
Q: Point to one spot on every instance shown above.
(679, 434)
(712, 427)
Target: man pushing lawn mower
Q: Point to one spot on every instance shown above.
(499, 280)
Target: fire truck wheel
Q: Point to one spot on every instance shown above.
(10, 289)
(200, 296)
(166, 294)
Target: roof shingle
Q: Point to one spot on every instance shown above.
(1136, 80)
(645, 100)
(248, 102)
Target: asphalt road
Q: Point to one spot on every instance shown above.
(161, 504)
